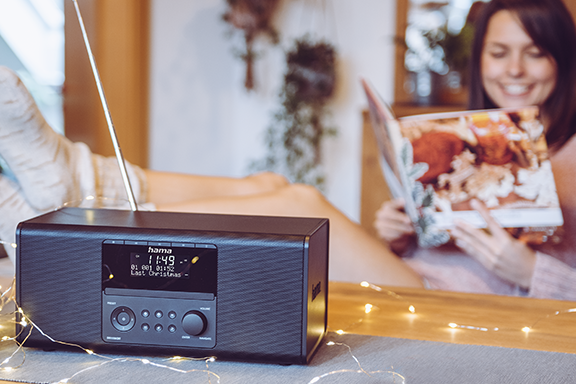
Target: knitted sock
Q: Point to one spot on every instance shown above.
(13, 209)
(50, 169)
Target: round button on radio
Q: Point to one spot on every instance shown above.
(194, 323)
(123, 319)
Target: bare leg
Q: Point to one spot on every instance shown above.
(173, 188)
(355, 255)
(52, 170)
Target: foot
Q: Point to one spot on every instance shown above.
(36, 154)
(51, 169)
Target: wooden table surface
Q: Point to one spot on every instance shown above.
(476, 319)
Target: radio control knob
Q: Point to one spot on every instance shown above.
(194, 323)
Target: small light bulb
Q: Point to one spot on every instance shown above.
(452, 325)
(330, 343)
(195, 260)
(368, 308)
(89, 197)
(526, 329)
(412, 309)
(89, 351)
(340, 332)
(365, 284)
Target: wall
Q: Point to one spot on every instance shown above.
(203, 121)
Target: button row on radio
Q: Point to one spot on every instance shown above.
(159, 328)
(158, 314)
(160, 244)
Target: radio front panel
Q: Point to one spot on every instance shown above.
(244, 288)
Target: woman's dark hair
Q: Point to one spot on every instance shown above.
(550, 25)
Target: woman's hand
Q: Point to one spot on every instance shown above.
(393, 225)
(498, 251)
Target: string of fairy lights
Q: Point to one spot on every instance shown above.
(360, 369)
(28, 325)
(452, 325)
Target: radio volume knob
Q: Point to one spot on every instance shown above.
(194, 323)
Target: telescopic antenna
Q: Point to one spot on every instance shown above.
(115, 143)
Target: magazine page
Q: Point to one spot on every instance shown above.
(387, 132)
(498, 156)
(384, 125)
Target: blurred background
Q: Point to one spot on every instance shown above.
(203, 86)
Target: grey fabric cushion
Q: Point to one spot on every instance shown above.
(384, 360)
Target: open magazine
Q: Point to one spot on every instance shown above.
(439, 162)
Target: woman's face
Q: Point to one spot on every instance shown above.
(515, 72)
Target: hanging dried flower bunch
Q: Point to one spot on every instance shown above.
(253, 17)
(294, 140)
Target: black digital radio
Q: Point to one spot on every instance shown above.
(250, 288)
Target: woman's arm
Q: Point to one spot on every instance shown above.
(552, 279)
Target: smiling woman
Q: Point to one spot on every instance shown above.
(523, 54)
(539, 34)
(515, 71)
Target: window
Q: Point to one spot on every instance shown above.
(32, 44)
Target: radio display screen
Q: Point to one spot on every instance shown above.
(179, 267)
(160, 265)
